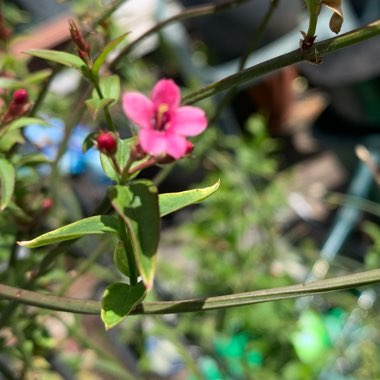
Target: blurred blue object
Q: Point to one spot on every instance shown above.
(47, 140)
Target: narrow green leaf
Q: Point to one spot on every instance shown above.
(36, 77)
(119, 300)
(120, 259)
(25, 121)
(61, 57)
(171, 202)
(137, 205)
(9, 139)
(30, 159)
(98, 224)
(100, 59)
(95, 105)
(7, 182)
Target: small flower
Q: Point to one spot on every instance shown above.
(164, 125)
(107, 143)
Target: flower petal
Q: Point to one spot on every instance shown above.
(176, 145)
(188, 121)
(166, 92)
(152, 142)
(138, 108)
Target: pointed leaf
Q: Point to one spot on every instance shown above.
(119, 300)
(99, 224)
(171, 202)
(95, 105)
(137, 205)
(7, 182)
(100, 59)
(88, 142)
(110, 87)
(61, 57)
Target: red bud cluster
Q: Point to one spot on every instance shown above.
(83, 48)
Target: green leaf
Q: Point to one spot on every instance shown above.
(88, 142)
(61, 57)
(98, 224)
(137, 205)
(121, 156)
(27, 81)
(25, 121)
(120, 259)
(95, 105)
(7, 182)
(9, 139)
(171, 202)
(31, 159)
(110, 87)
(100, 59)
(119, 300)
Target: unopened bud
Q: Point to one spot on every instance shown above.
(107, 143)
(47, 203)
(83, 47)
(189, 148)
(20, 96)
(137, 152)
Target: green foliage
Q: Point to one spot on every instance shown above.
(118, 301)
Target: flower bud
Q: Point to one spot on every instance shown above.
(20, 96)
(107, 143)
(137, 152)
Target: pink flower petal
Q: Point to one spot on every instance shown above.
(166, 92)
(138, 108)
(188, 121)
(176, 145)
(152, 142)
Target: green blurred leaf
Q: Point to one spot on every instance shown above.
(171, 202)
(9, 139)
(93, 225)
(120, 258)
(100, 59)
(61, 57)
(119, 300)
(30, 159)
(110, 87)
(88, 142)
(25, 121)
(95, 105)
(7, 182)
(137, 205)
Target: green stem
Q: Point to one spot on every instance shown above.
(57, 68)
(194, 305)
(313, 8)
(133, 272)
(191, 12)
(318, 50)
(252, 46)
(106, 110)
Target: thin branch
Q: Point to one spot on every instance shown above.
(191, 12)
(193, 305)
(319, 50)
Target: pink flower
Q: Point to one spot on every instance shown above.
(164, 125)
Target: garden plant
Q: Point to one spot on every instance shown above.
(138, 122)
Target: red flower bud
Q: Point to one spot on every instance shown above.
(20, 96)
(47, 203)
(189, 148)
(107, 143)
